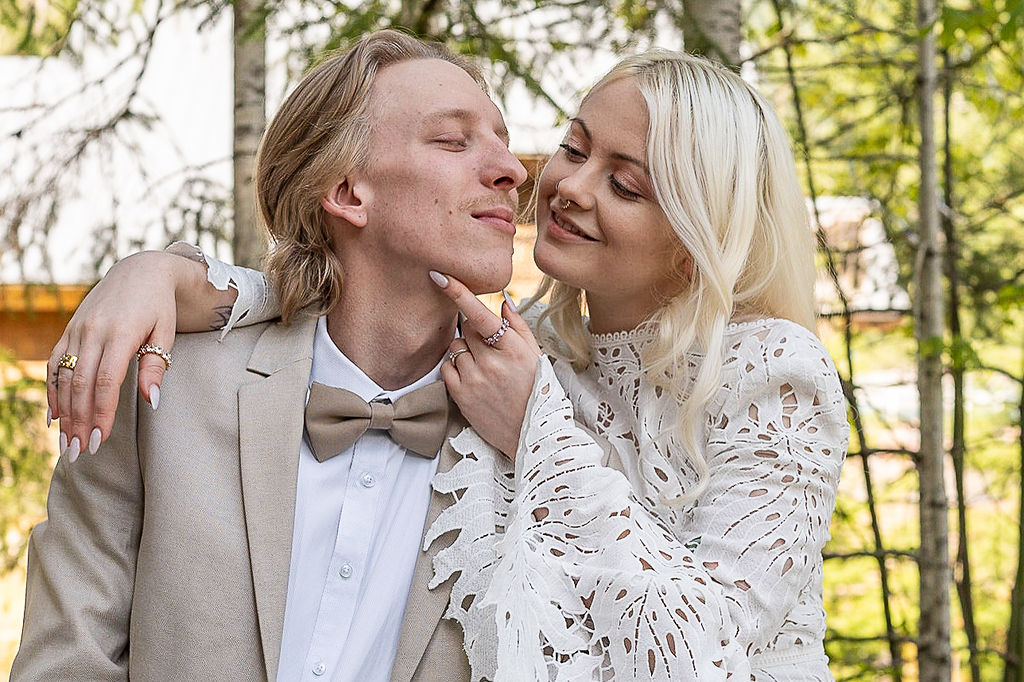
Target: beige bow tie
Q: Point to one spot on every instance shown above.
(336, 418)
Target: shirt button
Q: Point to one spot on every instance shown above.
(368, 480)
(319, 668)
(345, 571)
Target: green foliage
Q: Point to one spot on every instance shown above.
(851, 65)
(34, 29)
(24, 464)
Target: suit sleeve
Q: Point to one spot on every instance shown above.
(81, 562)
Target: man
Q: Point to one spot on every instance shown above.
(231, 534)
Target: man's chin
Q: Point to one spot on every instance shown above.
(486, 283)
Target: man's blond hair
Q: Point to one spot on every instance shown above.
(319, 135)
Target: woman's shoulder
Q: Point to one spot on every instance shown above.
(775, 337)
(779, 349)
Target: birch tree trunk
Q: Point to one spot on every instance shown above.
(248, 241)
(712, 28)
(934, 655)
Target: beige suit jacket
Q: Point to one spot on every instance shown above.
(166, 554)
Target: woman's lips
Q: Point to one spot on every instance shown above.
(564, 230)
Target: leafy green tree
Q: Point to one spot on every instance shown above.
(24, 464)
(34, 29)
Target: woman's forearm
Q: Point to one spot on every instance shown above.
(200, 306)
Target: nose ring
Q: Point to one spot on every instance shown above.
(565, 206)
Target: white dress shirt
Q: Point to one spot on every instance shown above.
(358, 525)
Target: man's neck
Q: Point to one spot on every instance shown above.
(393, 339)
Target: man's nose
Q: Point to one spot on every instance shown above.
(507, 172)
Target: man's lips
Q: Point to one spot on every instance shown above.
(500, 217)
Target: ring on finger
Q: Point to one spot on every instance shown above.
(453, 355)
(148, 348)
(68, 361)
(493, 338)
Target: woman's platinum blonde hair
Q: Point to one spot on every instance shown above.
(319, 135)
(723, 173)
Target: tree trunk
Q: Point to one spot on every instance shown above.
(1014, 667)
(248, 241)
(859, 429)
(958, 370)
(712, 28)
(934, 655)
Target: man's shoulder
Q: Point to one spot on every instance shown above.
(264, 344)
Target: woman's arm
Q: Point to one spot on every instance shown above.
(777, 439)
(568, 537)
(555, 549)
(556, 542)
(143, 299)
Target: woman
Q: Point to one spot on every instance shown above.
(665, 498)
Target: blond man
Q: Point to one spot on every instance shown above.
(222, 536)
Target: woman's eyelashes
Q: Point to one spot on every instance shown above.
(624, 191)
(572, 153)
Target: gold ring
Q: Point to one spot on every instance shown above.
(566, 205)
(68, 361)
(155, 350)
(454, 354)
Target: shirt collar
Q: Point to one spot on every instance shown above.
(332, 368)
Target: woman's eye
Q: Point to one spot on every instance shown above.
(623, 190)
(571, 152)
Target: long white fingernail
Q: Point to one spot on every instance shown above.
(154, 396)
(74, 449)
(49, 417)
(439, 279)
(63, 443)
(94, 441)
(508, 299)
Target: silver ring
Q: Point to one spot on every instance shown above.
(454, 354)
(493, 338)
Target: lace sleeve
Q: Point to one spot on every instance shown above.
(776, 443)
(257, 300)
(562, 574)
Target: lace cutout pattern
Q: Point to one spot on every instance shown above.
(569, 569)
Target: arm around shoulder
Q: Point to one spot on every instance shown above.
(207, 302)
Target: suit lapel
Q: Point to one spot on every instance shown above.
(424, 609)
(270, 423)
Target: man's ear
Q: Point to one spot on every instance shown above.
(346, 201)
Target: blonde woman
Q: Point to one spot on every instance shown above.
(659, 508)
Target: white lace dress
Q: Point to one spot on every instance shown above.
(569, 570)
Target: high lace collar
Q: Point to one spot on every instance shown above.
(634, 339)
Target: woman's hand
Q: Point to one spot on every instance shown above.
(134, 304)
(491, 384)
